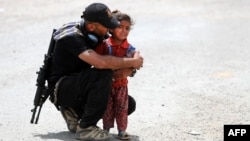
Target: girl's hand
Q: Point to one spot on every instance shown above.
(122, 73)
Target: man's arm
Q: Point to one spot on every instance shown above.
(111, 62)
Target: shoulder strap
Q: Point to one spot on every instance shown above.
(130, 50)
(109, 47)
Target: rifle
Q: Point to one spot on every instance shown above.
(42, 92)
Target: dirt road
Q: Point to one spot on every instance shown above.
(194, 81)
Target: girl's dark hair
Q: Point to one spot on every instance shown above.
(122, 16)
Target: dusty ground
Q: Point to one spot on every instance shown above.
(195, 77)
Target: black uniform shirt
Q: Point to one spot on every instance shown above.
(65, 60)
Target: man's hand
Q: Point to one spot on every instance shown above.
(139, 60)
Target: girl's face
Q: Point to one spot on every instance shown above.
(121, 32)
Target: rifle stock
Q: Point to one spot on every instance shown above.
(42, 87)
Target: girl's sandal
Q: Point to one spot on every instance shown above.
(124, 136)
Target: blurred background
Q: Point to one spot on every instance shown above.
(195, 77)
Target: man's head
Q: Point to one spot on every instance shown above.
(100, 13)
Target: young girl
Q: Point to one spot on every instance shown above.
(117, 45)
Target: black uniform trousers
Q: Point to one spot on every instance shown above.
(87, 93)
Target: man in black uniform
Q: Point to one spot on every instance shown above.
(80, 79)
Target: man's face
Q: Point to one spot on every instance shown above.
(99, 29)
